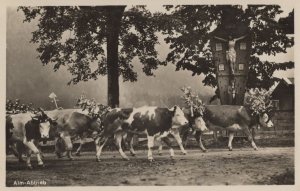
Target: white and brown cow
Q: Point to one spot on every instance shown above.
(28, 130)
(153, 121)
(196, 124)
(72, 124)
(234, 118)
(224, 117)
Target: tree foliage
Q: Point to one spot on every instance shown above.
(188, 29)
(75, 37)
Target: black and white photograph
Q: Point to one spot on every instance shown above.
(162, 94)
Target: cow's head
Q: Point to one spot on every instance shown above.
(45, 123)
(178, 118)
(195, 116)
(265, 120)
(200, 123)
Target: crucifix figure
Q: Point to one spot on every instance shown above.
(231, 53)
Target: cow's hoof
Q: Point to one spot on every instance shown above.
(71, 159)
(98, 160)
(29, 167)
(133, 154)
(77, 154)
(172, 157)
(126, 159)
(151, 160)
(159, 153)
(204, 150)
(41, 165)
(230, 149)
(256, 149)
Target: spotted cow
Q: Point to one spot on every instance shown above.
(29, 131)
(196, 124)
(224, 117)
(72, 124)
(234, 118)
(153, 121)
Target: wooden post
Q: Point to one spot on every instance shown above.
(231, 81)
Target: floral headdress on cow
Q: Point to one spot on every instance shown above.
(193, 101)
(258, 101)
(95, 110)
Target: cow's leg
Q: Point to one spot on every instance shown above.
(175, 133)
(160, 146)
(231, 135)
(215, 134)
(185, 138)
(37, 143)
(132, 151)
(32, 147)
(69, 146)
(168, 143)
(129, 140)
(28, 162)
(150, 140)
(13, 148)
(165, 139)
(17, 149)
(198, 137)
(118, 139)
(59, 147)
(99, 146)
(81, 142)
(250, 138)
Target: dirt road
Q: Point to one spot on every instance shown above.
(217, 167)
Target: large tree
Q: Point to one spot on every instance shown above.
(76, 37)
(188, 30)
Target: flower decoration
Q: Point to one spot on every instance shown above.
(95, 109)
(258, 101)
(193, 101)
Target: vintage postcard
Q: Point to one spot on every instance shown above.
(156, 95)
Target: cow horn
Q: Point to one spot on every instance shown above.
(33, 117)
(53, 120)
(175, 107)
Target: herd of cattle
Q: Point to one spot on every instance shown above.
(26, 130)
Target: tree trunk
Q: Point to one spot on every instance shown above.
(115, 14)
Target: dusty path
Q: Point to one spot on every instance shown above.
(217, 167)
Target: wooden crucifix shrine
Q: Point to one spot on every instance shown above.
(231, 49)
